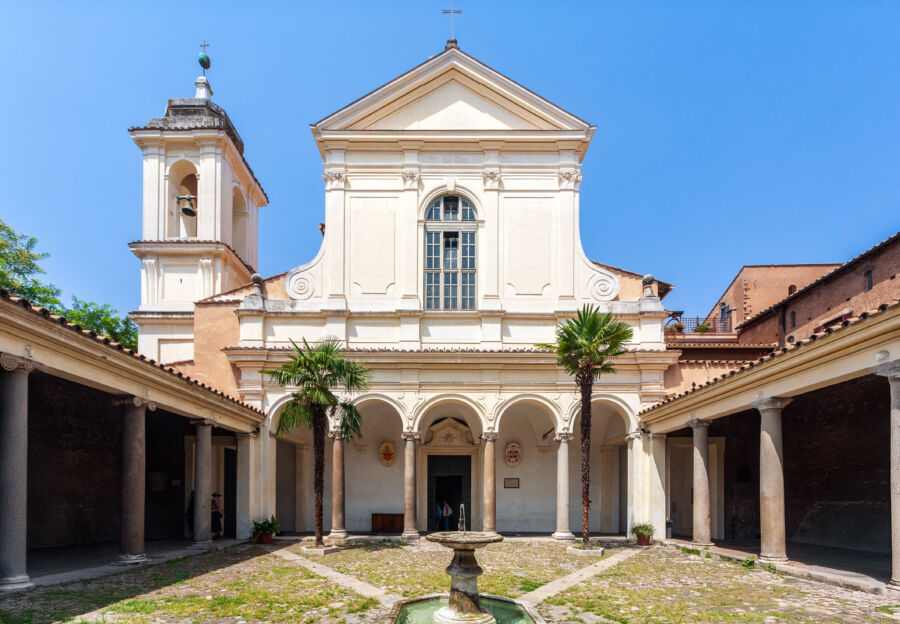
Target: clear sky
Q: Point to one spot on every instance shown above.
(728, 133)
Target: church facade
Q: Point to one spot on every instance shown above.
(451, 246)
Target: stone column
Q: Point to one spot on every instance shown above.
(13, 470)
(133, 486)
(245, 484)
(338, 531)
(490, 486)
(891, 370)
(410, 531)
(202, 485)
(771, 481)
(563, 529)
(701, 535)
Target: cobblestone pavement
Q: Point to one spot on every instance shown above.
(249, 584)
(667, 585)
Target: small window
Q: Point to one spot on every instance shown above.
(793, 319)
(869, 280)
(792, 289)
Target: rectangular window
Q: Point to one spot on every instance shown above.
(432, 290)
(451, 250)
(468, 291)
(468, 250)
(869, 280)
(451, 209)
(450, 290)
(432, 250)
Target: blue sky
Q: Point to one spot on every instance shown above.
(728, 133)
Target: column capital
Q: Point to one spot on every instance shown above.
(564, 436)
(656, 436)
(11, 363)
(336, 434)
(410, 435)
(490, 436)
(136, 401)
(244, 436)
(772, 403)
(698, 423)
(891, 370)
(201, 422)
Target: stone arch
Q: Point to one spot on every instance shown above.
(555, 413)
(622, 408)
(240, 223)
(428, 405)
(273, 417)
(182, 182)
(443, 189)
(377, 397)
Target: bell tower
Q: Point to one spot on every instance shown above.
(200, 209)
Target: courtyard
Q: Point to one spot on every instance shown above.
(360, 582)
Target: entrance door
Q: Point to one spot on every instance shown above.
(230, 493)
(450, 479)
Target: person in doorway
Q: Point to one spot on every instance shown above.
(216, 514)
(438, 514)
(446, 512)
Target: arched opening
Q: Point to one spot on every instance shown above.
(373, 470)
(608, 472)
(182, 200)
(450, 229)
(239, 221)
(525, 468)
(449, 464)
(290, 470)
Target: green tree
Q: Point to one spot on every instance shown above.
(19, 268)
(585, 347)
(316, 371)
(19, 271)
(103, 319)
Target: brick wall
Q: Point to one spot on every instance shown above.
(846, 291)
(74, 445)
(741, 433)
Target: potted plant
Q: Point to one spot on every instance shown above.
(676, 328)
(702, 328)
(643, 532)
(263, 531)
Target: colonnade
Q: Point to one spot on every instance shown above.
(14, 375)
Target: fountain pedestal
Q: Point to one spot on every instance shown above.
(464, 606)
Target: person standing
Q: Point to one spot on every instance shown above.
(447, 512)
(216, 515)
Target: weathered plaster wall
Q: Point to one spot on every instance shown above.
(215, 327)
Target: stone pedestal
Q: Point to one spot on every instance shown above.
(133, 492)
(891, 370)
(338, 530)
(490, 485)
(464, 606)
(563, 532)
(771, 481)
(410, 530)
(202, 486)
(13, 474)
(701, 535)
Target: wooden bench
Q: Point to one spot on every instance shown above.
(387, 523)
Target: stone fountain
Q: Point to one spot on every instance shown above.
(464, 605)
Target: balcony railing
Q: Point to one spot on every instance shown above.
(696, 325)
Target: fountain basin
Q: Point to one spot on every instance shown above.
(423, 610)
(464, 604)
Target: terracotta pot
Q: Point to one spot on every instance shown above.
(265, 538)
(643, 540)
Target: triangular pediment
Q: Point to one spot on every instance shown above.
(452, 91)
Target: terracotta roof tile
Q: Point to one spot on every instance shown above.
(112, 344)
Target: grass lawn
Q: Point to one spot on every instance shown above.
(511, 568)
(667, 585)
(241, 583)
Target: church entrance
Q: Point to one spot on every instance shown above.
(450, 479)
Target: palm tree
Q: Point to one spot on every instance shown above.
(585, 347)
(315, 372)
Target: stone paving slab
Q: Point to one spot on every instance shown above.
(344, 580)
(561, 584)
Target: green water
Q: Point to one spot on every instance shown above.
(422, 612)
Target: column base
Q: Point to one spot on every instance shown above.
(337, 534)
(409, 536)
(771, 559)
(15, 583)
(201, 545)
(563, 535)
(130, 559)
(701, 544)
(893, 586)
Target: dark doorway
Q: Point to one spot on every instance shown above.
(230, 493)
(450, 479)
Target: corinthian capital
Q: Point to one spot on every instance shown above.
(569, 179)
(411, 179)
(10, 362)
(491, 180)
(334, 180)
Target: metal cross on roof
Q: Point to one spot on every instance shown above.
(451, 12)
(204, 45)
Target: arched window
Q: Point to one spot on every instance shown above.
(183, 200)
(792, 289)
(450, 229)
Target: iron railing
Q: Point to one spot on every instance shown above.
(679, 325)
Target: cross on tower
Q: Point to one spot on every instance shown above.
(204, 45)
(451, 12)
